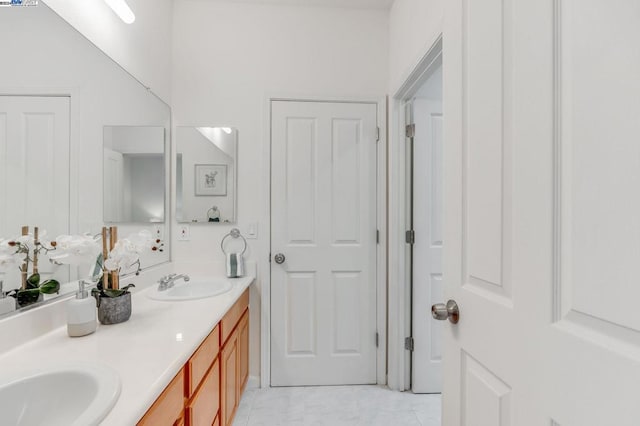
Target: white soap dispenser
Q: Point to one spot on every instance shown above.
(81, 313)
(7, 304)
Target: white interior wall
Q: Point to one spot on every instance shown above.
(414, 25)
(228, 58)
(142, 48)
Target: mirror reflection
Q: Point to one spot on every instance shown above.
(57, 94)
(206, 171)
(134, 174)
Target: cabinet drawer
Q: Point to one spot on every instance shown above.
(232, 317)
(201, 360)
(203, 408)
(169, 406)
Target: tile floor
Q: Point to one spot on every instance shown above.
(336, 406)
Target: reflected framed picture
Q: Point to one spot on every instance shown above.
(211, 179)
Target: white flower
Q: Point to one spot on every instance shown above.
(27, 241)
(8, 257)
(123, 255)
(75, 249)
(126, 252)
(139, 242)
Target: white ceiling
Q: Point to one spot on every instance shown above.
(349, 4)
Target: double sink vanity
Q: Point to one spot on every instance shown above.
(105, 153)
(181, 360)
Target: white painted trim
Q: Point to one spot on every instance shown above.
(382, 248)
(399, 366)
(435, 34)
(381, 272)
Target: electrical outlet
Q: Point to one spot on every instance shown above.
(184, 233)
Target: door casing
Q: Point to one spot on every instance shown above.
(381, 251)
(399, 359)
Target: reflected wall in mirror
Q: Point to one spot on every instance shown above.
(134, 174)
(57, 94)
(206, 174)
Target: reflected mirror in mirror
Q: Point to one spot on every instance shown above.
(134, 178)
(206, 174)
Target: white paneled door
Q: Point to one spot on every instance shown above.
(542, 213)
(34, 171)
(323, 243)
(426, 362)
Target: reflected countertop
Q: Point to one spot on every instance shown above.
(147, 351)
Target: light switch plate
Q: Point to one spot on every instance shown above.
(252, 231)
(184, 233)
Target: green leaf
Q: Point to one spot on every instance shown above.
(27, 297)
(50, 287)
(114, 293)
(33, 281)
(127, 287)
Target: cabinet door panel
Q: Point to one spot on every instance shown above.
(229, 383)
(243, 352)
(203, 408)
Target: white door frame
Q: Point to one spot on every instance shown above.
(381, 250)
(399, 368)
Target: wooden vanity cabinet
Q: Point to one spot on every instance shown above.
(234, 360)
(207, 390)
(169, 407)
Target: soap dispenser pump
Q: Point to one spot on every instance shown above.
(81, 313)
(7, 304)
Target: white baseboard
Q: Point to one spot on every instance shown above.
(253, 382)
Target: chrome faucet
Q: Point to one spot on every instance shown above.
(168, 281)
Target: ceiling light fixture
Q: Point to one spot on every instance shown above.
(122, 9)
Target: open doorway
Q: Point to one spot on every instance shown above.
(424, 136)
(416, 243)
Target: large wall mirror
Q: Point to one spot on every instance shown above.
(206, 174)
(63, 105)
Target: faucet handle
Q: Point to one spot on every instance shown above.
(166, 278)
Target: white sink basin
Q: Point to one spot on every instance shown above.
(63, 395)
(198, 288)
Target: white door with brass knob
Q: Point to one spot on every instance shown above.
(323, 240)
(542, 213)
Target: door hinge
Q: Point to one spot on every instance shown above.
(410, 130)
(410, 237)
(408, 343)
(377, 339)
(377, 236)
(377, 134)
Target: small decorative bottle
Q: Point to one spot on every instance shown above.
(7, 304)
(81, 313)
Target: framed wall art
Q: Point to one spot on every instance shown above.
(211, 179)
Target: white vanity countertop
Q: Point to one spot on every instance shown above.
(147, 351)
